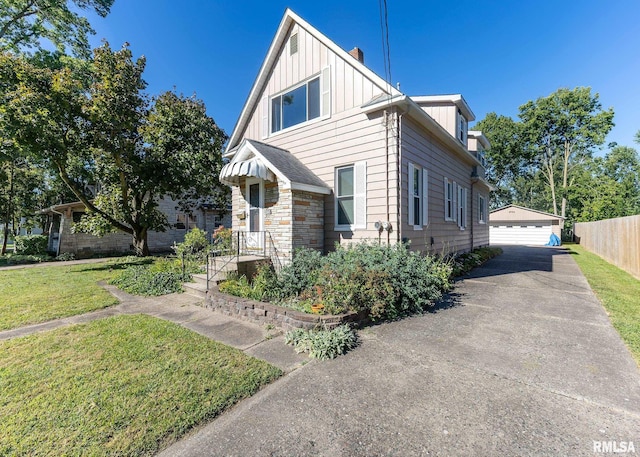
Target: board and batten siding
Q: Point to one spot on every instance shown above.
(421, 148)
(349, 87)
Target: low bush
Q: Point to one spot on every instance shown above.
(222, 242)
(466, 262)
(19, 259)
(387, 281)
(163, 276)
(323, 344)
(31, 244)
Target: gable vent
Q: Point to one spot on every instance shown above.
(293, 44)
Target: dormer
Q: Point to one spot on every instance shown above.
(478, 144)
(450, 111)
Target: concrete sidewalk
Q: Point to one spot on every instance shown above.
(183, 309)
(520, 359)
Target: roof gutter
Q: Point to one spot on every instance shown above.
(413, 110)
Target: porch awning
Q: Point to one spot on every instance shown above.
(253, 168)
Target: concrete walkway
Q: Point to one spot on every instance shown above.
(521, 359)
(183, 309)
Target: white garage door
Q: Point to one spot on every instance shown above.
(537, 234)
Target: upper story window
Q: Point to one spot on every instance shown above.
(481, 156)
(296, 106)
(462, 128)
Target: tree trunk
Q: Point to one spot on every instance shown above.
(565, 175)
(140, 242)
(8, 215)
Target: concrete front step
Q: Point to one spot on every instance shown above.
(196, 289)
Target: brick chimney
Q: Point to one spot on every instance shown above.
(357, 54)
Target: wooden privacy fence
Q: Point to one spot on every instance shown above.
(615, 240)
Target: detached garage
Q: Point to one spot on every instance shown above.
(514, 224)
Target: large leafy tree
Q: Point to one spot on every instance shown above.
(561, 130)
(102, 125)
(27, 25)
(607, 187)
(506, 158)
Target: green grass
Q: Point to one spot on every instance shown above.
(126, 385)
(34, 295)
(617, 290)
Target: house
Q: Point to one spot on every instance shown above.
(325, 151)
(514, 224)
(61, 239)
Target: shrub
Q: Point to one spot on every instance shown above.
(301, 273)
(323, 344)
(65, 257)
(464, 263)
(222, 242)
(236, 285)
(164, 276)
(194, 245)
(31, 244)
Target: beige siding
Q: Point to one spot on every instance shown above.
(421, 148)
(445, 115)
(349, 87)
(480, 230)
(514, 213)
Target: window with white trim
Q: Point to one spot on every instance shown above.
(351, 198)
(462, 207)
(482, 209)
(449, 200)
(184, 221)
(417, 196)
(296, 106)
(462, 128)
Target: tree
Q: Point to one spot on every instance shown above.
(561, 130)
(24, 24)
(506, 158)
(105, 128)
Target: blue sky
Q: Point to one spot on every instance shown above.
(498, 54)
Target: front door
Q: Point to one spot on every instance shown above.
(255, 212)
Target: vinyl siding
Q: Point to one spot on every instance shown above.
(421, 148)
(347, 136)
(349, 87)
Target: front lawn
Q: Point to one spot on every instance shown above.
(126, 385)
(617, 290)
(34, 295)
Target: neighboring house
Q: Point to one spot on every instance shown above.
(61, 239)
(325, 151)
(514, 224)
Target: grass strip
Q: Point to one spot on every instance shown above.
(34, 295)
(617, 290)
(125, 385)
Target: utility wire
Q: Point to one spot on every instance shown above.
(386, 49)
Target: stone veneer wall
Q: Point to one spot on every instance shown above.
(267, 313)
(293, 218)
(308, 220)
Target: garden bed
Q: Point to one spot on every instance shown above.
(280, 316)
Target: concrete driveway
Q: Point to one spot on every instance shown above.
(519, 360)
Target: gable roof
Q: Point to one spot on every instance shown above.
(521, 211)
(288, 20)
(253, 158)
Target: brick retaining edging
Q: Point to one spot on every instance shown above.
(267, 313)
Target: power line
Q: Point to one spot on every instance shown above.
(384, 31)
